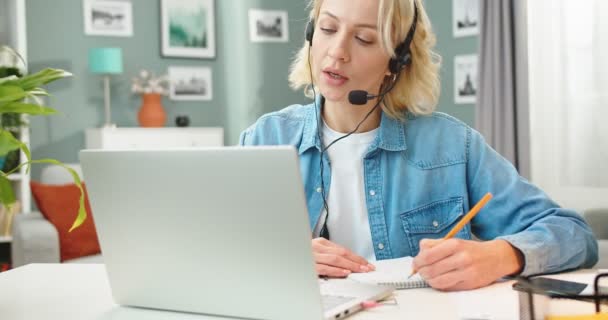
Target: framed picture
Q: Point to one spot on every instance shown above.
(190, 83)
(268, 26)
(465, 19)
(188, 28)
(465, 79)
(108, 18)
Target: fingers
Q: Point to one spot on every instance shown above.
(334, 260)
(340, 262)
(322, 245)
(325, 270)
(432, 251)
(441, 267)
(428, 243)
(453, 280)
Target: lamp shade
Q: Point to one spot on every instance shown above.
(105, 60)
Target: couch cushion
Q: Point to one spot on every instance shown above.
(59, 205)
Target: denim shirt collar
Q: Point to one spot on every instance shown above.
(391, 136)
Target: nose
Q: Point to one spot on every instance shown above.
(339, 49)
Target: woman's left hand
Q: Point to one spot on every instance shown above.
(456, 264)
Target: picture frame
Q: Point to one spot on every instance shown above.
(188, 83)
(268, 25)
(108, 18)
(188, 28)
(466, 83)
(465, 17)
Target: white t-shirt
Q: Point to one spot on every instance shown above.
(348, 222)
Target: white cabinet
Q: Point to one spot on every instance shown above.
(153, 138)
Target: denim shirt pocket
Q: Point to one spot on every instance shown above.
(433, 221)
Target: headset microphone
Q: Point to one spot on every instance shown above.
(360, 97)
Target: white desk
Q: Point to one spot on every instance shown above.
(81, 291)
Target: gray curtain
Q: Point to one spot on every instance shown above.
(502, 114)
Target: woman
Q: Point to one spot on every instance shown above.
(385, 176)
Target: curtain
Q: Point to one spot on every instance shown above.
(502, 108)
(569, 85)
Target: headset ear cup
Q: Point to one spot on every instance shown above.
(395, 65)
(407, 59)
(310, 30)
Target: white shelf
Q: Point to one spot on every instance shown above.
(6, 239)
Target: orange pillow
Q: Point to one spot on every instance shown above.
(59, 205)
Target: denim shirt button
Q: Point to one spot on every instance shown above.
(435, 223)
(319, 189)
(380, 245)
(372, 193)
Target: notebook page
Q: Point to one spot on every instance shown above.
(393, 272)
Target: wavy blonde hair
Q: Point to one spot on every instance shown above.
(417, 90)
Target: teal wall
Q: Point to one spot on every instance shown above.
(249, 78)
(440, 13)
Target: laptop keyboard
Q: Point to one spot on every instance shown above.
(333, 301)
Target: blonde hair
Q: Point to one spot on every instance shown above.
(417, 90)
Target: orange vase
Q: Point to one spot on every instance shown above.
(151, 113)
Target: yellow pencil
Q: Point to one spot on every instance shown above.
(464, 221)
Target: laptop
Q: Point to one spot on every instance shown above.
(220, 231)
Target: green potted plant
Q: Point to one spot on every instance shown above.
(20, 95)
(11, 122)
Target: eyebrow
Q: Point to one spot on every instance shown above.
(360, 25)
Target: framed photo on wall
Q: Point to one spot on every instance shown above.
(465, 17)
(268, 26)
(465, 79)
(190, 83)
(108, 18)
(188, 28)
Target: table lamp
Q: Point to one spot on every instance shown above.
(106, 61)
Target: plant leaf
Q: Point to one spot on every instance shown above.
(82, 212)
(39, 78)
(11, 93)
(9, 78)
(7, 196)
(29, 108)
(39, 92)
(8, 143)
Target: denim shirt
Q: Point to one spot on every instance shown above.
(422, 175)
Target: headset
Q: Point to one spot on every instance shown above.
(402, 58)
(403, 54)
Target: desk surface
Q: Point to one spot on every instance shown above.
(82, 291)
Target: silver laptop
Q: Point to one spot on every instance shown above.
(220, 231)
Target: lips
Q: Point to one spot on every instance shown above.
(334, 77)
(335, 74)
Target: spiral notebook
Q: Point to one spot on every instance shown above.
(392, 272)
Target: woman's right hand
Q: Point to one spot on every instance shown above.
(333, 260)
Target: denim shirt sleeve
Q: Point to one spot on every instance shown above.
(551, 238)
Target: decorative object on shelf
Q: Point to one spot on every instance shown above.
(188, 28)
(106, 61)
(152, 88)
(108, 18)
(465, 17)
(15, 96)
(268, 25)
(151, 113)
(182, 121)
(190, 83)
(465, 79)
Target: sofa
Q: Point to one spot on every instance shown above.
(598, 220)
(35, 239)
